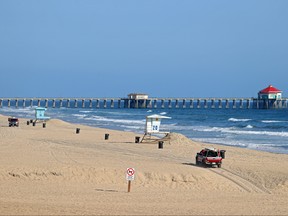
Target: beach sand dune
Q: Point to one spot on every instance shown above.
(55, 171)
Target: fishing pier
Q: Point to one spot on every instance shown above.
(147, 103)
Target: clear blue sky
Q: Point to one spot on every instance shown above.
(179, 48)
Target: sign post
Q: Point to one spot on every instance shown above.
(130, 177)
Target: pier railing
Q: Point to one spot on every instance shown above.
(234, 103)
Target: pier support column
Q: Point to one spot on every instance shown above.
(148, 104)
(68, 103)
(241, 103)
(53, 103)
(46, 103)
(16, 103)
(31, 103)
(83, 103)
(143, 104)
(75, 103)
(155, 104)
(1, 103)
(90, 103)
(97, 103)
(39, 103)
(220, 104)
(112, 103)
(191, 105)
(285, 104)
(162, 103)
(136, 103)
(177, 103)
(213, 103)
(105, 103)
(234, 104)
(205, 104)
(198, 103)
(227, 104)
(119, 104)
(24, 103)
(248, 104)
(170, 103)
(9, 102)
(61, 103)
(184, 103)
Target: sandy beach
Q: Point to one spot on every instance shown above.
(54, 171)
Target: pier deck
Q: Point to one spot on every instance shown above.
(234, 103)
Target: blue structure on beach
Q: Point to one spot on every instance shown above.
(40, 114)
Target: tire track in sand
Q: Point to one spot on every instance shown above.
(246, 184)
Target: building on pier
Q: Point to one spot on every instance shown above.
(268, 98)
(136, 100)
(270, 93)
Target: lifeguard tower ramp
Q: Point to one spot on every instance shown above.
(152, 129)
(40, 114)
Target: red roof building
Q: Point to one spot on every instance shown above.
(270, 93)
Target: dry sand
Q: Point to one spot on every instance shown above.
(54, 171)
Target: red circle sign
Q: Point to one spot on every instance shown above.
(130, 171)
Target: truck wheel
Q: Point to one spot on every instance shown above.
(219, 165)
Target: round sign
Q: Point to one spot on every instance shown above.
(130, 171)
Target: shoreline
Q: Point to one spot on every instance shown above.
(55, 171)
(265, 140)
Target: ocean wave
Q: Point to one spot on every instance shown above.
(272, 121)
(19, 112)
(249, 126)
(242, 132)
(238, 120)
(85, 111)
(79, 115)
(279, 148)
(125, 121)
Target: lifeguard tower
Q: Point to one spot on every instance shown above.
(152, 128)
(40, 114)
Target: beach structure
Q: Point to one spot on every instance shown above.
(270, 93)
(152, 129)
(268, 98)
(40, 114)
(136, 100)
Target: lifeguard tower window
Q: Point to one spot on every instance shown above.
(152, 127)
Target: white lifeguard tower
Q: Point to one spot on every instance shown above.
(152, 128)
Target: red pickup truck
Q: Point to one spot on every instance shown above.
(210, 156)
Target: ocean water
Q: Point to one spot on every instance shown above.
(264, 130)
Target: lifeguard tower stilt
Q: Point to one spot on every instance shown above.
(152, 128)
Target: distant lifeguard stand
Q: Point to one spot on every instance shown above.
(152, 128)
(40, 114)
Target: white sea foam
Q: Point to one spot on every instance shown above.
(85, 111)
(242, 132)
(249, 126)
(79, 115)
(123, 121)
(271, 121)
(149, 111)
(238, 120)
(163, 113)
